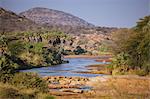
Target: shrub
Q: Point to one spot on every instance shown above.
(15, 47)
(141, 72)
(8, 91)
(121, 59)
(53, 34)
(103, 48)
(32, 58)
(29, 80)
(6, 69)
(79, 50)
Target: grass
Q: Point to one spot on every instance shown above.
(8, 91)
(105, 53)
(127, 87)
(115, 87)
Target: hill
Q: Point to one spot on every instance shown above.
(59, 20)
(50, 17)
(10, 22)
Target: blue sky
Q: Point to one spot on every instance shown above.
(112, 13)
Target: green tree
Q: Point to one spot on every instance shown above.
(135, 43)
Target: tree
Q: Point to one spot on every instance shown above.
(135, 43)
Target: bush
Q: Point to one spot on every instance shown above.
(6, 69)
(29, 80)
(121, 59)
(79, 50)
(8, 91)
(141, 72)
(103, 48)
(33, 59)
(15, 47)
(34, 47)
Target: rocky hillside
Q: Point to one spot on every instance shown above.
(52, 17)
(82, 34)
(10, 22)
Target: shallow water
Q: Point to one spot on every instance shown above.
(68, 69)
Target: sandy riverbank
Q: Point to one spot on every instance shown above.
(101, 87)
(109, 87)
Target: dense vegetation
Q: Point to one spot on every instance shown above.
(27, 50)
(131, 48)
(19, 85)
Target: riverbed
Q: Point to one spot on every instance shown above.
(72, 68)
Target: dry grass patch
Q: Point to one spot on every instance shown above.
(123, 87)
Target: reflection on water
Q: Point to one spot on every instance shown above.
(69, 69)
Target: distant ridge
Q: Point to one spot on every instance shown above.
(50, 17)
(11, 22)
(43, 18)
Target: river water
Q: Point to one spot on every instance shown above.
(69, 69)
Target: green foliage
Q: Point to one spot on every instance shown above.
(48, 56)
(37, 48)
(103, 48)
(28, 34)
(20, 81)
(16, 52)
(6, 69)
(34, 47)
(3, 40)
(44, 96)
(141, 72)
(15, 47)
(53, 34)
(136, 44)
(121, 59)
(139, 44)
(33, 59)
(79, 50)
(119, 64)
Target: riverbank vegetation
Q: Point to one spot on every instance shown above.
(23, 51)
(131, 48)
(20, 85)
(31, 50)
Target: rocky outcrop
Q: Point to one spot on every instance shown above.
(85, 43)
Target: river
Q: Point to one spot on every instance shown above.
(69, 69)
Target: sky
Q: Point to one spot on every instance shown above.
(110, 13)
